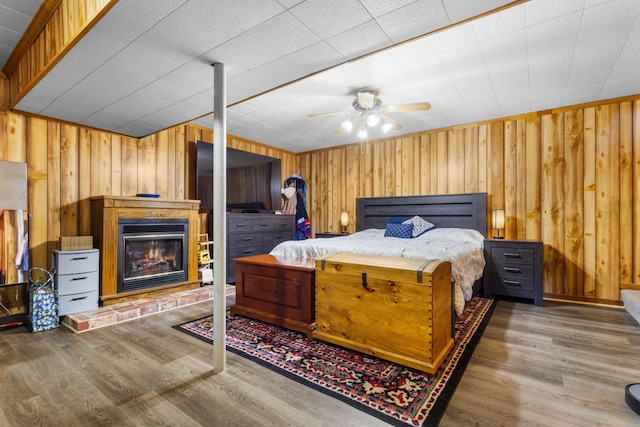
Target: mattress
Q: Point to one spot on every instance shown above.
(460, 246)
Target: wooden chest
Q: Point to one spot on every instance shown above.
(398, 309)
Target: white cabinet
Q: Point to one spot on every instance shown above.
(77, 280)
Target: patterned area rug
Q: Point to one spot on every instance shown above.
(396, 394)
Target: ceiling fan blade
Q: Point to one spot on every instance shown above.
(402, 108)
(335, 113)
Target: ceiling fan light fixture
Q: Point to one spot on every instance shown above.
(362, 133)
(347, 125)
(373, 120)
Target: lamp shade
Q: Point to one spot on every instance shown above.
(344, 219)
(498, 219)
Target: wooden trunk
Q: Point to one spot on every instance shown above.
(398, 309)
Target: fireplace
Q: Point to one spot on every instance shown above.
(151, 252)
(148, 246)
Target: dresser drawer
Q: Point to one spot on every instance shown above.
(75, 303)
(274, 223)
(513, 270)
(239, 224)
(512, 254)
(242, 240)
(237, 252)
(273, 239)
(75, 283)
(515, 287)
(72, 262)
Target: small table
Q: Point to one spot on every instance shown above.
(277, 290)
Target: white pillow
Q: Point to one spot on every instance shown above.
(420, 226)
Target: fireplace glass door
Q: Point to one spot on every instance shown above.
(151, 254)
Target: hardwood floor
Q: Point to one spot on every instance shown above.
(557, 365)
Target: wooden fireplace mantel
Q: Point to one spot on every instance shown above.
(105, 213)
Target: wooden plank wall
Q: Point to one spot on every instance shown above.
(569, 177)
(57, 27)
(68, 164)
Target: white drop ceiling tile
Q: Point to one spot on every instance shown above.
(241, 54)
(27, 7)
(360, 40)
(339, 77)
(101, 86)
(620, 87)
(288, 4)
(610, 13)
(458, 60)
(378, 8)
(124, 22)
(137, 129)
(11, 20)
(154, 9)
(276, 73)
(597, 52)
(326, 18)
(538, 11)
(459, 10)
(545, 32)
(500, 23)
(285, 32)
(244, 14)
(190, 30)
(377, 63)
(454, 38)
(412, 51)
(415, 19)
(318, 56)
(151, 62)
(628, 62)
(192, 78)
(102, 43)
(72, 109)
(582, 94)
(8, 39)
(497, 46)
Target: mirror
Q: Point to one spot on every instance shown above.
(13, 228)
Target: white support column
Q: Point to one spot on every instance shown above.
(219, 216)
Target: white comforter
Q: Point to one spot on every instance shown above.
(462, 247)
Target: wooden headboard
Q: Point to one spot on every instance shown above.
(444, 211)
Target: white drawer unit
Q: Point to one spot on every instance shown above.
(77, 280)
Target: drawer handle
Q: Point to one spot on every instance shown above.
(80, 278)
(247, 239)
(511, 255)
(78, 298)
(79, 258)
(241, 225)
(248, 251)
(512, 269)
(511, 282)
(264, 225)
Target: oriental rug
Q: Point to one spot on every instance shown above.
(396, 394)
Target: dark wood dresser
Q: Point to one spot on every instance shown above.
(255, 233)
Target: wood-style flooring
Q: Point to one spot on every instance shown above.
(558, 365)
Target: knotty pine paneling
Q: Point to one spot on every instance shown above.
(569, 177)
(54, 30)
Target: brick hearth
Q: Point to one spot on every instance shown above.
(110, 315)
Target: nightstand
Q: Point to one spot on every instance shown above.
(514, 269)
(327, 235)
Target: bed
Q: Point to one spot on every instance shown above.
(460, 227)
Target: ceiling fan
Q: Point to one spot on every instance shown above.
(369, 112)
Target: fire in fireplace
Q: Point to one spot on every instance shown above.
(151, 252)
